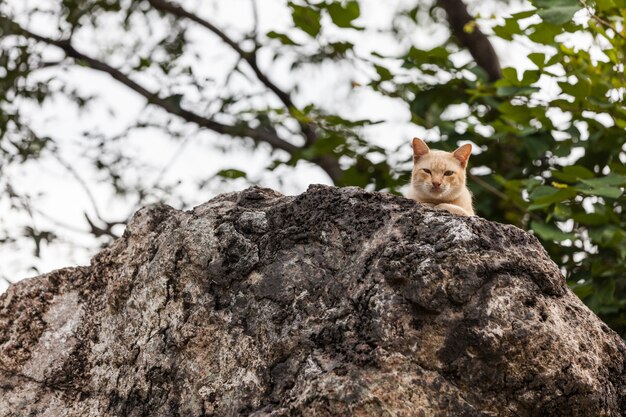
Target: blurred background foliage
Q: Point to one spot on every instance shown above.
(549, 137)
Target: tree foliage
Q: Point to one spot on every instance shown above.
(550, 131)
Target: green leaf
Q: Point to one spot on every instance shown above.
(174, 100)
(562, 211)
(608, 192)
(524, 14)
(538, 59)
(582, 290)
(590, 219)
(284, 39)
(558, 15)
(557, 12)
(511, 75)
(510, 91)
(602, 299)
(542, 191)
(546, 4)
(580, 90)
(299, 115)
(544, 196)
(554, 59)
(343, 15)
(231, 174)
(604, 5)
(551, 232)
(573, 173)
(383, 73)
(510, 28)
(417, 57)
(544, 33)
(604, 234)
(536, 146)
(512, 112)
(530, 77)
(306, 18)
(611, 179)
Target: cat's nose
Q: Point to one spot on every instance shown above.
(436, 184)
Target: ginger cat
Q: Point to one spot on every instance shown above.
(438, 178)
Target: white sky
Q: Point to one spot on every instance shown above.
(64, 200)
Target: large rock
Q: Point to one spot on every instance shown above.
(334, 302)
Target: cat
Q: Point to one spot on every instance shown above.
(438, 178)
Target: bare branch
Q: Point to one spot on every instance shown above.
(107, 230)
(81, 182)
(59, 223)
(258, 134)
(474, 40)
(255, 18)
(48, 64)
(250, 57)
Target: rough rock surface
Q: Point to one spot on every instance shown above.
(334, 302)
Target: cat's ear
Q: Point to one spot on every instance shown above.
(419, 149)
(463, 153)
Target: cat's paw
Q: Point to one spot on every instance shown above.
(429, 205)
(454, 209)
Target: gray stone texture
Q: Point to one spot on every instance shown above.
(336, 302)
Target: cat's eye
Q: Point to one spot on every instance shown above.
(448, 173)
(426, 171)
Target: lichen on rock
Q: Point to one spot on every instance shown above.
(336, 301)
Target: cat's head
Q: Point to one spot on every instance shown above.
(438, 175)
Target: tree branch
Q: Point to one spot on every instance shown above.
(80, 181)
(59, 223)
(94, 230)
(601, 21)
(250, 57)
(474, 40)
(99, 231)
(258, 134)
(255, 19)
